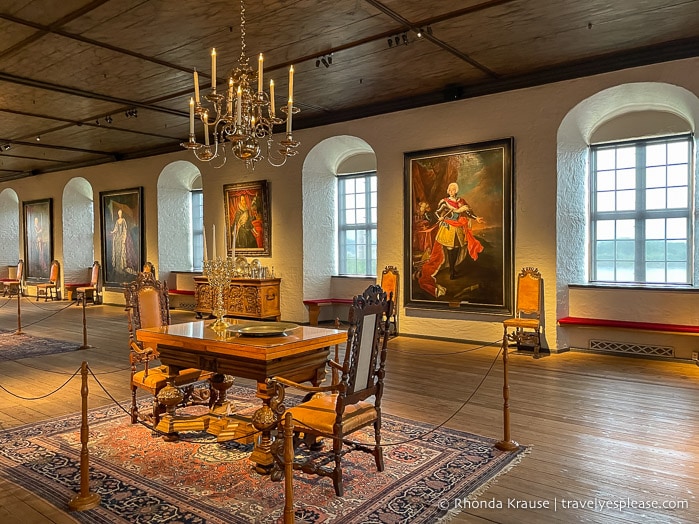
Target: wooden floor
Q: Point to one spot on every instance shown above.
(602, 429)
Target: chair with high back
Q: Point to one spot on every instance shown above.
(49, 289)
(527, 320)
(147, 305)
(337, 410)
(389, 283)
(94, 290)
(14, 286)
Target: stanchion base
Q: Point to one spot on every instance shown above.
(18, 332)
(507, 445)
(86, 346)
(83, 503)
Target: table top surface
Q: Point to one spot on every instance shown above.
(198, 336)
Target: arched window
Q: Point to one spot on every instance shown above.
(640, 216)
(356, 223)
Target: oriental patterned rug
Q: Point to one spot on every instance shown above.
(14, 347)
(143, 479)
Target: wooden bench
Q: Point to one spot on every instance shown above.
(683, 329)
(71, 287)
(315, 304)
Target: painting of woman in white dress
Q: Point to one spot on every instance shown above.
(121, 235)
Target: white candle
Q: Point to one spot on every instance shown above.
(291, 84)
(206, 255)
(239, 109)
(289, 111)
(213, 238)
(196, 87)
(259, 73)
(230, 96)
(206, 128)
(191, 116)
(213, 69)
(271, 97)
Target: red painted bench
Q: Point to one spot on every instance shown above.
(315, 304)
(628, 324)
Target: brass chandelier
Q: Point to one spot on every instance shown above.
(242, 118)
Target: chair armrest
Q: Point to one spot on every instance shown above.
(335, 365)
(141, 352)
(310, 389)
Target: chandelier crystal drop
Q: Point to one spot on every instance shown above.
(239, 121)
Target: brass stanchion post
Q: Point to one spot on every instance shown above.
(19, 313)
(85, 500)
(85, 344)
(506, 444)
(288, 469)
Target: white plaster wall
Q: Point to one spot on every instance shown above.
(9, 228)
(532, 116)
(175, 218)
(77, 231)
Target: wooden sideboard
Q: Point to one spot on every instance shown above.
(244, 297)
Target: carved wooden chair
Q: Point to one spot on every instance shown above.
(13, 286)
(527, 320)
(338, 410)
(389, 283)
(94, 290)
(49, 289)
(147, 305)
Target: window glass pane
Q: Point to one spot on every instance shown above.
(655, 198)
(605, 229)
(655, 176)
(625, 272)
(676, 228)
(625, 157)
(655, 272)
(677, 250)
(655, 250)
(625, 229)
(360, 185)
(655, 155)
(350, 217)
(606, 159)
(605, 271)
(655, 228)
(357, 224)
(677, 272)
(677, 197)
(605, 201)
(626, 179)
(678, 152)
(349, 185)
(678, 175)
(625, 250)
(605, 180)
(605, 250)
(350, 201)
(625, 200)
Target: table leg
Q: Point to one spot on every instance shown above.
(264, 419)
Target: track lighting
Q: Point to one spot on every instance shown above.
(401, 38)
(326, 60)
(108, 119)
(38, 139)
(5, 147)
(131, 113)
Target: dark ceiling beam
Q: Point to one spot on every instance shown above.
(58, 148)
(678, 50)
(30, 82)
(415, 26)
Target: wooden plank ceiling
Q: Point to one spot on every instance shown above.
(66, 66)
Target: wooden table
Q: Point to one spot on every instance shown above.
(300, 355)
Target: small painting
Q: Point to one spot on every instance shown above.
(122, 235)
(38, 239)
(458, 226)
(248, 226)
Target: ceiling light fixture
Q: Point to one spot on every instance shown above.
(108, 119)
(245, 115)
(38, 139)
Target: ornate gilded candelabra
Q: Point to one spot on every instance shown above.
(219, 272)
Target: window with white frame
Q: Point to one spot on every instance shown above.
(197, 228)
(357, 210)
(641, 211)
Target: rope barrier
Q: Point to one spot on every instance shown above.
(42, 396)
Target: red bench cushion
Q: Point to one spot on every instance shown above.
(628, 324)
